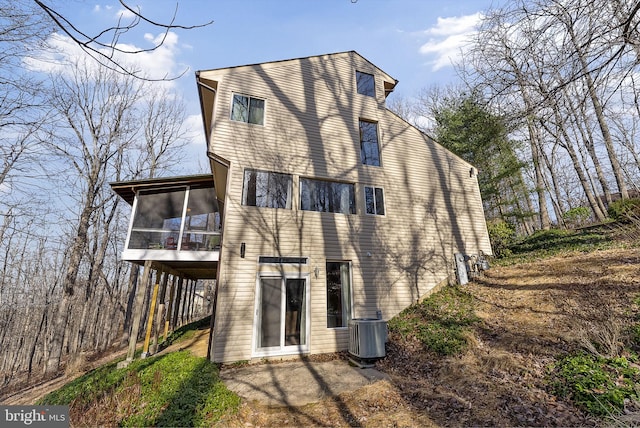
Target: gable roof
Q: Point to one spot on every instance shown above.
(207, 82)
(387, 77)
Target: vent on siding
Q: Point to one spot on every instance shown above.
(283, 260)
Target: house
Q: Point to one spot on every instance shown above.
(330, 206)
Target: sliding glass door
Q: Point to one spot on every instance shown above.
(281, 325)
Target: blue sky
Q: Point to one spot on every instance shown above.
(412, 40)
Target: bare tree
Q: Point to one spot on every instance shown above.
(560, 66)
(60, 235)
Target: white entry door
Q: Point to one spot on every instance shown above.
(282, 315)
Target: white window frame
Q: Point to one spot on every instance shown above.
(351, 211)
(281, 350)
(362, 142)
(350, 316)
(375, 203)
(264, 110)
(289, 199)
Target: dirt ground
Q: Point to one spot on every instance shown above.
(529, 314)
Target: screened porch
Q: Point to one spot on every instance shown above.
(173, 219)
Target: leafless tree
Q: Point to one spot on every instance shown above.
(97, 138)
(561, 66)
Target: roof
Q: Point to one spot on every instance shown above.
(127, 189)
(297, 59)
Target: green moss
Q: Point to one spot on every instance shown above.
(548, 243)
(441, 322)
(598, 385)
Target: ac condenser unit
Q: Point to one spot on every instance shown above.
(367, 337)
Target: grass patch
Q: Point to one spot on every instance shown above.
(441, 322)
(602, 385)
(596, 384)
(175, 389)
(547, 243)
(187, 331)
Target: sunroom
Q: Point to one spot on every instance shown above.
(174, 221)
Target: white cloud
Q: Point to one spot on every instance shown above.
(125, 13)
(194, 130)
(99, 8)
(158, 63)
(447, 39)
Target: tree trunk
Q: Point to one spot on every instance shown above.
(37, 335)
(133, 285)
(59, 329)
(545, 221)
(599, 111)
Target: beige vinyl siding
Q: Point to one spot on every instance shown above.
(432, 204)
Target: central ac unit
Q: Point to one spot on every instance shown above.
(367, 337)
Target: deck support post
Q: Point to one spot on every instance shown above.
(176, 309)
(137, 310)
(172, 295)
(192, 289)
(187, 286)
(150, 319)
(158, 322)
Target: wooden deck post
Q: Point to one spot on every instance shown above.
(137, 310)
(150, 319)
(176, 308)
(158, 322)
(190, 300)
(192, 297)
(172, 295)
(184, 300)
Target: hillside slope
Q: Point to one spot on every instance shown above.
(528, 316)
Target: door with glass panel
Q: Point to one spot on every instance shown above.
(281, 315)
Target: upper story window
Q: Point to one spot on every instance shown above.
(266, 189)
(369, 149)
(247, 109)
(327, 196)
(374, 200)
(366, 84)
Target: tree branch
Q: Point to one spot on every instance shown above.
(104, 52)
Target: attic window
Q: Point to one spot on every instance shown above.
(366, 84)
(247, 109)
